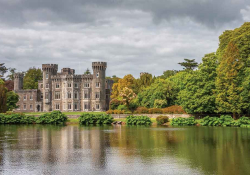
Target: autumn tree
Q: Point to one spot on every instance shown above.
(3, 97)
(127, 95)
(228, 82)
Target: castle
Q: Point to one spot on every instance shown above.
(66, 91)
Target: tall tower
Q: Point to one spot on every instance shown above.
(98, 86)
(18, 81)
(48, 71)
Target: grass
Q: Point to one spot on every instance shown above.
(66, 113)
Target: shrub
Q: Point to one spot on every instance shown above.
(16, 118)
(242, 122)
(110, 112)
(141, 110)
(138, 120)
(224, 120)
(183, 121)
(88, 119)
(162, 119)
(173, 110)
(55, 117)
(155, 111)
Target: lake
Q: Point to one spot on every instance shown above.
(73, 149)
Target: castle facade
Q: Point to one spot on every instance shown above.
(66, 91)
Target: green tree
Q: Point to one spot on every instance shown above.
(30, 80)
(12, 71)
(12, 99)
(159, 90)
(189, 64)
(168, 73)
(3, 70)
(198, 95)
(3, 97)
(228, 82)
(87, 72)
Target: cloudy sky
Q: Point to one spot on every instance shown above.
(133, 36)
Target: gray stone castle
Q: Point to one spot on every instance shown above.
(66, 91)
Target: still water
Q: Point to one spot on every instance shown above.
(73, 149)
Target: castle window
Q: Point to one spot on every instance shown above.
(86, 85)
(69, 105)
(41, 95)
(86, 106)
(86, 95)
(69, 84)
(57, 95)
(47, 76)
(97, 95)
(97, 84)
(69, 94)
(75, 106)
(97, 75)
(46, 95)
(24, 97)
(47, 86)
(76, 95)
(57, 106)
(31, 107)
(31, 96)
(97, 106)
(57, 85)
(41, 85)
(76, 85)
(24, 107)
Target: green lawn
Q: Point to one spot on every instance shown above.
(66, 113)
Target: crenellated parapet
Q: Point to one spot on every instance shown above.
(99, 65)
(50, 68)
(18, 75)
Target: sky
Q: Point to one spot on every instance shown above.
(132, 36)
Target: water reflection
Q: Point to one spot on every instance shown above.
(38, 149)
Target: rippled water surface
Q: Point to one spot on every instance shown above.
(73, 149)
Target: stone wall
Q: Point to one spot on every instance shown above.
(152, 115)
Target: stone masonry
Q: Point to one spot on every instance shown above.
(66, 91)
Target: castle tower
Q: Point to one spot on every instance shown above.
(98, 86)
(18, 81)
(48, 71)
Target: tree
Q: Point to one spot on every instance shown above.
(127, 95)
(159, 90)
(3, 97)
(168, 73)
(114, 78)
(12, 99)
(189, 64)
(3, 70)
(228, 82)
(198, 95)
(31, 78)
(11, 74)
(87, 72)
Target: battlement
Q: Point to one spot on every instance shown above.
(99, 65)
(18, 75)
(50, 67)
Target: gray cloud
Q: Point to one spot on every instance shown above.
(132, 35)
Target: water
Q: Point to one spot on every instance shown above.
(73, 149)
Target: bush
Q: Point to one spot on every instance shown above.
(115, 111)
(173, 110)
(88, 119)
(162, 119)
(138, 120)
(55, 117)
(242, 122)
(183, 121)
(224, 120)
(141, 110)
(16, 118)
(155, 111)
